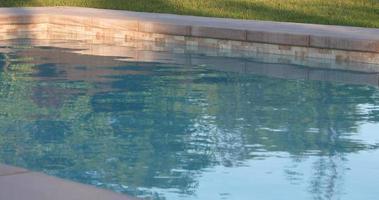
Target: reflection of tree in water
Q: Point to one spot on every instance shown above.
(161, 131)
(328, 168)
(327, 178)
(303, 119)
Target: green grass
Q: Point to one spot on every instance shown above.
(363, 13)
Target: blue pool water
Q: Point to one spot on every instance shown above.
(165, 130)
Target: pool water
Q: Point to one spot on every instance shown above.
(163, 130)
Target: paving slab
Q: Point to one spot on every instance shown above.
(38, 186)
(6, 170)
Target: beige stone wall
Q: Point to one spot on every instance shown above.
(163, 37)
(220, 47)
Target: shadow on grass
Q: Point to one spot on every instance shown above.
(363, 13)
(257, 10)
(14, 3)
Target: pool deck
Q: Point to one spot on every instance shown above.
(339, 43)
(21, 184)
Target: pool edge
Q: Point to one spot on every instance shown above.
(302, 41)
(19, 184)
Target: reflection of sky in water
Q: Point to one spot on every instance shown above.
(257, 178)
(188, 132)
(368, 133)
(261, 179)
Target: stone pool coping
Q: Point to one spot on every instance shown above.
(20, 184)
(296, 34)
(342, 44)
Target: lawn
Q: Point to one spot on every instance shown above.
(363, 13)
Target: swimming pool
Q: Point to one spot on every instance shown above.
(218, 128)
